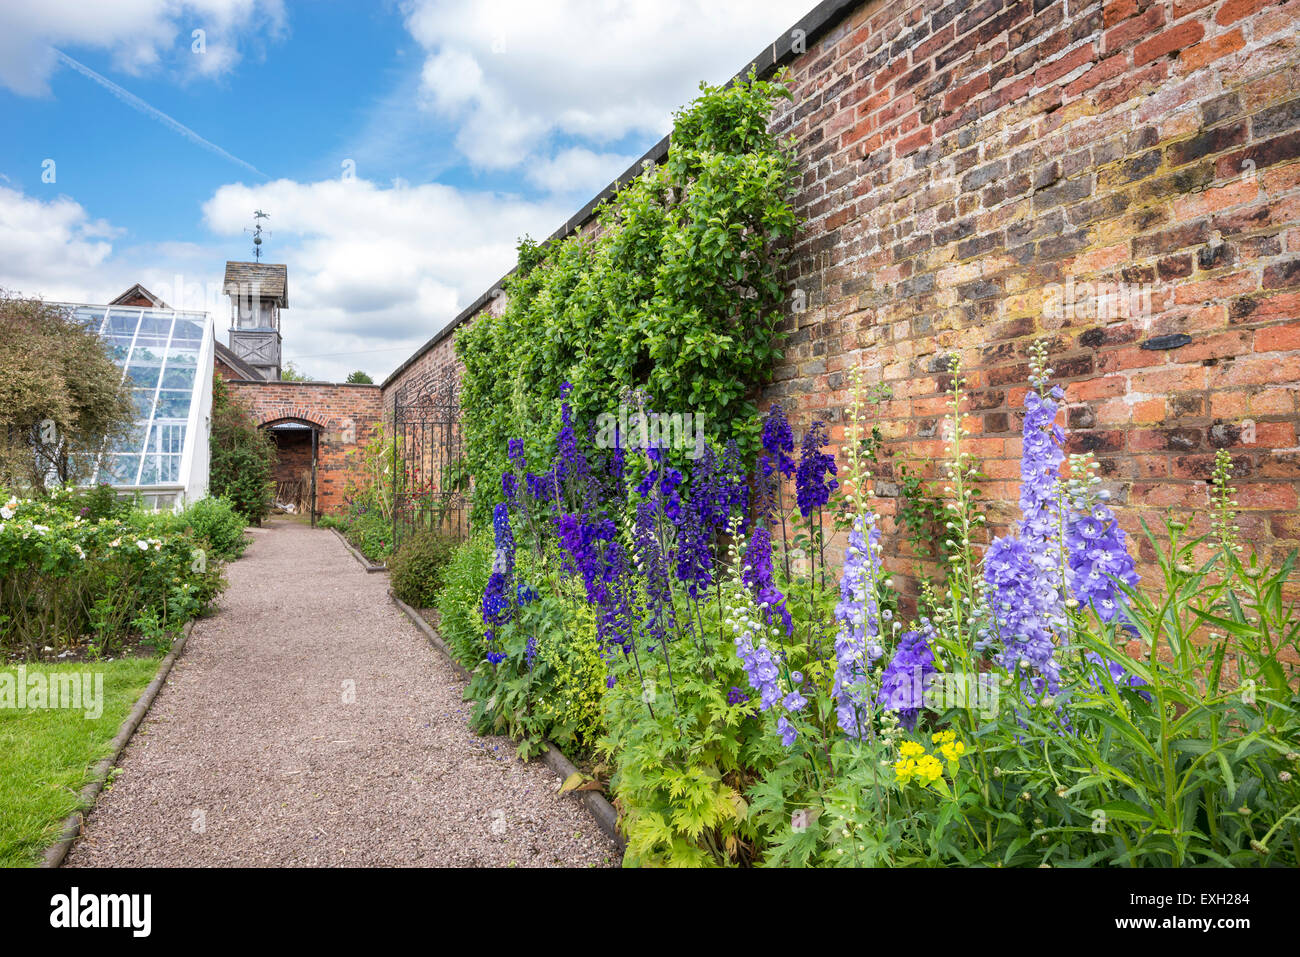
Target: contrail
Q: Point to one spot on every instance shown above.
(131, 100)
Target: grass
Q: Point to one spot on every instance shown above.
(46, 755)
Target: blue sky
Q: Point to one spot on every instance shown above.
(403, 147)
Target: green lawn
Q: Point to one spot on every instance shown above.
(46, 755)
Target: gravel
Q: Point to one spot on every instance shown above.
(252, 754)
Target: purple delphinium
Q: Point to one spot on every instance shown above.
(813, 488)
(902, 683)
(760, 668)
(1024, 572)
(654, 571)
(515, 452)
(778, 441)
(496, 596)
(857, 643)
(1120, 675)
(758, 576)
(1098, 560)
(736, 696)
(736, 479)
(509, 485)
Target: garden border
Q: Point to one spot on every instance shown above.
(356, 553)
(597, 805)
(75, 822)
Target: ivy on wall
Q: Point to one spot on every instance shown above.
(678, 295)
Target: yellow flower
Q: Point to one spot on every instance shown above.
(928, 769)
(904, 770)
(943, 737)
(910, 749)
(952, 751)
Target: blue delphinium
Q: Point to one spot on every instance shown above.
(496, 596)
(902, 683)
(1024, 572)
(857, 644)
(758, 576)
(1121, 676)
(736, 480)
(1098, 561)
(761, 667)
(813, 488)
(778, 441)
(654, 571)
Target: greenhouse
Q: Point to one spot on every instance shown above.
(168, 356)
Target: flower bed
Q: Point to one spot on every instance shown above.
(1040, 705)
(80, 573)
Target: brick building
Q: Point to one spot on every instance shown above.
(1118, 177)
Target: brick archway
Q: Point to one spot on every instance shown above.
(342, 418)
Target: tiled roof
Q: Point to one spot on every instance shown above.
(271, 280)
(138, 292)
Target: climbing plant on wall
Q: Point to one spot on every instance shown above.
(677, 294)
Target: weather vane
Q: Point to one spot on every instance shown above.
(257, 233)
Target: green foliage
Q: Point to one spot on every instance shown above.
(678, 294)
(359, 377)
(460, 618)
(65, 580)
(553, 693)
(242, 457)
(366, 528)
(416, 568)
(289, 373)
(215, 521)
(683, 756)
(62, 399)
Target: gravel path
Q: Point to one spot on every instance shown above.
(251, 756)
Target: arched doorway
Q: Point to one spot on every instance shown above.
(297, 443)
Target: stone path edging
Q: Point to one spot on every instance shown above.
(356, 553)
(597, 805)
(72, 824)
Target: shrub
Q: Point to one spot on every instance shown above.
(215, 521)
(460, 621)
(62, 399)
(368, 529)
(64, 579)
(242, 458)
(416, 568)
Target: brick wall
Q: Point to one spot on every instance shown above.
(346, 415)
(1120, 178)
(980, 175)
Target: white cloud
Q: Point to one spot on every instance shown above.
(577, 170)
(373, 267)
(511, 73)
(48, 247)
(373, 271)
(139, 35)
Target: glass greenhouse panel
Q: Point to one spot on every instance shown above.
(167, 358)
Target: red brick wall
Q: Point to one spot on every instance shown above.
(966, 166)
(347, 415)
(223, 370)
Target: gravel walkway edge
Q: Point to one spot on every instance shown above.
(600, 808)
(72, 824)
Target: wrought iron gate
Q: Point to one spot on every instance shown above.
(430, 481)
